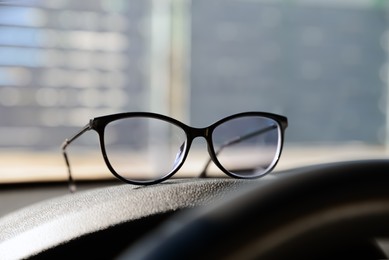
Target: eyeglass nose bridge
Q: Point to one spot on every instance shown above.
(204, 132)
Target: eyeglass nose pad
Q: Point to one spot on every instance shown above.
(179, 156)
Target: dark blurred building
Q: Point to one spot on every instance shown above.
(321, 63)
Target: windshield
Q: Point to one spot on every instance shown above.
(322, 64)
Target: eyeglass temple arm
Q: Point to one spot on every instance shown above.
(236, 140)
(71, 182)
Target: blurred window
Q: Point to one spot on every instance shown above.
(323, 64)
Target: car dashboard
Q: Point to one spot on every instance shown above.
(318, 211)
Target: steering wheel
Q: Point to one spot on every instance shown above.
(320, 212)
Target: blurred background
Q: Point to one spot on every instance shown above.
(323, 64)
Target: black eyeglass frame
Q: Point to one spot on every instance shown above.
(99, 123)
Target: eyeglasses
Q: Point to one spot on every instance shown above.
(147, 148)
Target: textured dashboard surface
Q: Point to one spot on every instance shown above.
(46, 224)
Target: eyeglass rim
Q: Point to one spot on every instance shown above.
(281, 130)
(99, 123)
(102, 121)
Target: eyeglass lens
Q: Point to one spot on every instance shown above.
(144, 149)
(247, 146)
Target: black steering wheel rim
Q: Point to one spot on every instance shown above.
(308, 212)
